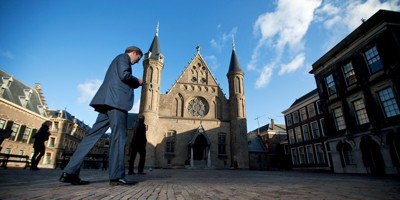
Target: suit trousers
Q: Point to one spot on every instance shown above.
(116, 120)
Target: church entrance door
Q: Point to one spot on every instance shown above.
(199, 148)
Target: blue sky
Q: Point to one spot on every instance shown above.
(67, 45)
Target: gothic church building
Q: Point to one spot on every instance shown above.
(194, 125)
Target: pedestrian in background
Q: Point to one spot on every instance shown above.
(5, 133)
(38, 145)
(112, 101)
(138, 145)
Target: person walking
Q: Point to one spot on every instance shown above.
(138, 145)
(38, 145)
(112, 101)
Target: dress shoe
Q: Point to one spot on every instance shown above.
(141, 173)
(35, 168)
(73, 179)
(121, 181)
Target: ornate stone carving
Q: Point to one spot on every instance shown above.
(198, 107)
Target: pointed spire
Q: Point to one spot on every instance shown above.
(155, 46)
(157, 28)
(234, 65)
(233, 42)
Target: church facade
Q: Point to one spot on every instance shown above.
(194, 125)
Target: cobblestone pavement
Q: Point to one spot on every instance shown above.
(199, 184)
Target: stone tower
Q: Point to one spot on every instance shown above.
(153, 64)
(238, 125)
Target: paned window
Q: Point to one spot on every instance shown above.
(289, 119)
(303, 114)
(291, 136)
(47, 159)
(339, 119)
(55, 126)
(295, 117)
(15, 128)
(306, 132)
(297, 131)
(320, 154)
(310, 154)
(51, 142)
(25, 136)
(170, 142)
(221, 143)
(330, 84)
(373, 59)
(360, 111)
(311, 110)
(388, 102)
(315, 130)
(349, 74)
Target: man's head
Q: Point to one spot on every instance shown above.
(47, 123)
(134, 53)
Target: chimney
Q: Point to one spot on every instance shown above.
(41, 96)
(272, 124)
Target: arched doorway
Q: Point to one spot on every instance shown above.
(372, 156)
(199, 148)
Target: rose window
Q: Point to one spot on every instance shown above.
(198, 107)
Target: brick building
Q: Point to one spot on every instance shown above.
(24, 109)
(358, 82)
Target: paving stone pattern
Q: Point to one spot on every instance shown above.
(196, 184)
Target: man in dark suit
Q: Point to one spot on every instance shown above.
(138, 145)
(112, 101)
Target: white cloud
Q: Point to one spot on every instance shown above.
(87, 90)
(358, 10)
(6, 53)
(296, 63)
(284, 31)
(254, 58)
(219, 42)
(339, 18)
(212, 62)
(288, 24)
(264, 77)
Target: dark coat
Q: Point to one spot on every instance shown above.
(139, 138)
(41, 136)
(117, 89)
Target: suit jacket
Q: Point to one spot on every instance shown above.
(117, 88)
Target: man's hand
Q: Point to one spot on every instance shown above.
(140, 81)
